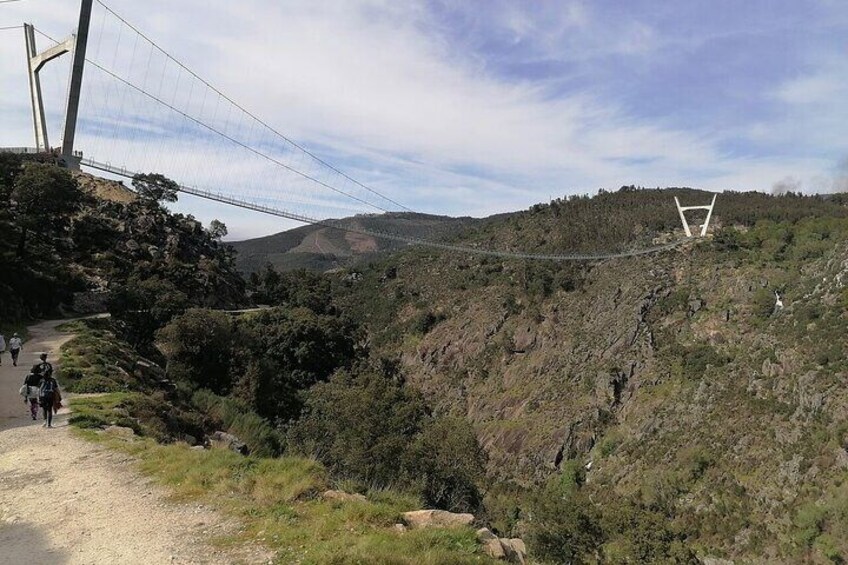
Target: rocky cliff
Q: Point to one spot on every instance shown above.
(710, 378)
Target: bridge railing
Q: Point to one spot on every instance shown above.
(22, 150)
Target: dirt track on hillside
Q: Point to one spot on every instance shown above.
(67, 501)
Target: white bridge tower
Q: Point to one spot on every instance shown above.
(35, 62)
(683, 209)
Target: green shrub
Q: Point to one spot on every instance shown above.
(449, 463)
(94, 384)
(359, 425)
(808, 523)
(565, 526)
(369, 427)
(698, 358)
(763, 303)
(426, 321)
(198, 346)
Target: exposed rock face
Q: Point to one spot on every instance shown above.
(436, 519)
(493, 548)
(113, 191)
(541, 386)
(657, 367)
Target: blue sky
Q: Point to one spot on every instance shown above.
(476, 107)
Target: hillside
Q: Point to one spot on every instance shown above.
(320, 248)
(673, 380)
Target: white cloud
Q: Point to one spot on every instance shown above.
(813, 89)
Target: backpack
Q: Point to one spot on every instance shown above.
(48, 386)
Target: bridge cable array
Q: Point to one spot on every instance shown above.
(233, 201)
(251, 114)
(196, 120)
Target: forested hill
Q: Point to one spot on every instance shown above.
(609, 221)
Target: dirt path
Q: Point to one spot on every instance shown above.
(66, 501)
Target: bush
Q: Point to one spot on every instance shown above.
(698, 358)
(763, 303)
(449, 463)
(94, 384)
(359, 426)
(426, 321)
(369, 427)
(286, 352)
(639, 533)
(565, 527)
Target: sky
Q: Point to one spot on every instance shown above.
(473, 107)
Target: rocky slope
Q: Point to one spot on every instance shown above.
(677, 378)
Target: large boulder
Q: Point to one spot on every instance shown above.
(120, 431)
(516, 550)
(436, 519)
(512, 550)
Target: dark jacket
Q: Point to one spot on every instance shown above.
(33, 379)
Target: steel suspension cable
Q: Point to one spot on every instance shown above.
(244, 204)
(247, 205)
(249, 113)
(232, 139)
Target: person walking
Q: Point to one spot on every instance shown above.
(15, 346)
(47, 394)
(2, 347)
(45, 369)
(31, 391)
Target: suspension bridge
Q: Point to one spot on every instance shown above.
(133, 107)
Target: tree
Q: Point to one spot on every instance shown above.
(566, 525)
(43, 199)
(143, 305)
(287, 351)
(359, 425)
(155, 187)
(198, 346)
(217, 230)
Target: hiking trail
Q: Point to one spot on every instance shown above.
(64, 500)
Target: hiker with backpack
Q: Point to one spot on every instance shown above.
(31, 390)
(49, 397)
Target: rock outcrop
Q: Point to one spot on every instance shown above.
(436, 519)
(510, 549)
(341, 496)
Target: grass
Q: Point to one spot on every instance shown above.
(277, 500)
